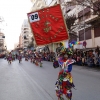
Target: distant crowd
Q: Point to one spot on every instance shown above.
(84, 57)
(89, 58)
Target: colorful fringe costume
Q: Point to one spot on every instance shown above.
(64, 82)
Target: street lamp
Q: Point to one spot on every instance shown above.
(84, 22)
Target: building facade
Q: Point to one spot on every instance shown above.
(90, 32)
(87, 32)
(3, 46)
(20, 41)
(2, 42)
(26, 35)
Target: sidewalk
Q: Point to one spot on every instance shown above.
(97, 68)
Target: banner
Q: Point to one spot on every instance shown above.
(48, 25)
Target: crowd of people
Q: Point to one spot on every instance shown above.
(12, 57)
(89, 58)
(84, 57)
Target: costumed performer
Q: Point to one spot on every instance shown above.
(64, 82)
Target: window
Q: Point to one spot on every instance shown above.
(80, 19)
(25, 28)
(97, 31)
(84, 14)
(73, 38)
(81, 35)
(87, 34)
(87, 16)
(24, 31)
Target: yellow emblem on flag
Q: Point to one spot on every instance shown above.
(47, 27)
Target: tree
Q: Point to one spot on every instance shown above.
(94, 5)
(73, 27)
(70, 21)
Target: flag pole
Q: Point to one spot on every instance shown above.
(64, 21)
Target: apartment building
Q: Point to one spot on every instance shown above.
(3, 46)
(2, 42)
(20, 41)
(26, 34)
(87, 32)
(90, 32)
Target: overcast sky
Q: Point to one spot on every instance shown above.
(14, 12)
(48, 1)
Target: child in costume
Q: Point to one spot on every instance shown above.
(39, 59)
(9, 58)
(20, 57)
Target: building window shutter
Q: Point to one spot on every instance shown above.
(81, 35)
(88, 33)
(97, 31)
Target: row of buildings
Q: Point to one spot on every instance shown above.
(3, 47)
(25, 37)
(86, 31)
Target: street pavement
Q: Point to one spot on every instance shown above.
(26, 81)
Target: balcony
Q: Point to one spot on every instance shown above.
(84, 12)
(26, 42)
(91, 19)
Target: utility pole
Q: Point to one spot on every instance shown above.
(84, 22)
(84, 42)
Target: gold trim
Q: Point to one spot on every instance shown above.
(42, 9)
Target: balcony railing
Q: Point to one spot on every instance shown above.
(86, 11)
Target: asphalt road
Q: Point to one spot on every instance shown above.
(26, 81)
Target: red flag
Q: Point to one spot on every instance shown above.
(48, 25)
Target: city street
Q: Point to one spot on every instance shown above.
(26, 81)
